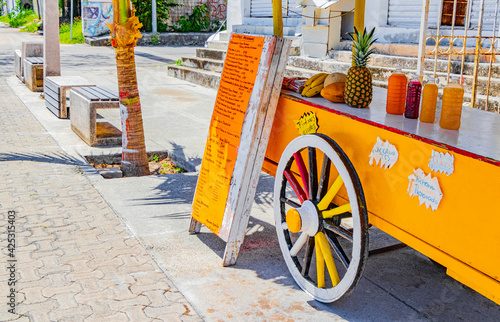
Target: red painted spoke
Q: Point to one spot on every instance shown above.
(295, 185)
(313, 174)
(303, 172)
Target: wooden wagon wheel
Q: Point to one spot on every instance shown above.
(320, 221)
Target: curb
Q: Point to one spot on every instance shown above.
(160, 39)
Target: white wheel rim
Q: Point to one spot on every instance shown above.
(321, 294)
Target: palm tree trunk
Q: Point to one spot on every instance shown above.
(125, 32)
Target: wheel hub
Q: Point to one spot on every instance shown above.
(303, 219)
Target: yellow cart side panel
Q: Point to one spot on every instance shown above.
(463, 273)
(466, 226)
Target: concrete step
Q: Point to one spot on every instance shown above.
(262, 30)
(212, 79)
(404, 50)
(382, 73)
(224, 35)
(382, 66)
(493, 103)
(197, 76)
(212, 65)
(217, 45)
(411, 63)
(319, 65)
(222, 45)
(211, 53)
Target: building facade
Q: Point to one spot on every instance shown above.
(396, 21)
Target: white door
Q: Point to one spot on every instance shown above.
(407, 13)
(264, 8)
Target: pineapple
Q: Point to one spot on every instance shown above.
(358, 86)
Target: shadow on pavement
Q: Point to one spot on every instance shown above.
(60, 158)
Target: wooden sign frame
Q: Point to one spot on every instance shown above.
(255, 132)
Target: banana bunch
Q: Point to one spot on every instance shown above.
(314, 85)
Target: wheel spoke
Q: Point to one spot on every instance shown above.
(332, 192)
(295, 185)
(334, 242)
(327, 252)
(336, 211)
(324, 177)
(320, 264)
(327, 255)
(342, 232)
(308, 256)
(290, 202)
(303, 171)
(298, 244)
(313, 174)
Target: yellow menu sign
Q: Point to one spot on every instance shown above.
(237, 81)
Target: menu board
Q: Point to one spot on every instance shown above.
(236, 85)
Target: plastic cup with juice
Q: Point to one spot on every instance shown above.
(429, 100)
(451, 109)
(396, 93)
(413, 98)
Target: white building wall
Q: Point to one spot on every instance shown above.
(235, 13)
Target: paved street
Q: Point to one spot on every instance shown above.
(75, 259)
(91, 249)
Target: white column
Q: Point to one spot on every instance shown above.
(422, 38)
(234, 13)
(153, 20)
(51, 51)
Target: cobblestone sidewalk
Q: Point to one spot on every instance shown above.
(74, 259)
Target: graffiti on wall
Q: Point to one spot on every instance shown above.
(95, 15)
(217, 8)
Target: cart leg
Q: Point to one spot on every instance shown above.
(194, 226)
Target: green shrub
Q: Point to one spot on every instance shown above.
(155, 39)
(198, 21)
(65, 32)
(21, 18)
(32, 26)
(143, 11)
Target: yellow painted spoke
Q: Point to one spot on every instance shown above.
(337, 211)
(328, 258)
(332, 192)
(320, 263)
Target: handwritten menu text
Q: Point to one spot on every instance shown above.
(238, 77)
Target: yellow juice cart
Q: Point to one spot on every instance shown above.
(435, 190)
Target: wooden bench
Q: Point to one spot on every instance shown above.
(18, 64)
(84, 103)
(33, 73)
(28, 49)
(55, 90)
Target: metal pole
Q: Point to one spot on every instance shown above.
(492, 55)
(154, 21)
(439, 14)
(71, 18)
(359, 19)
(451, 39)
(359, 15)
(277, 18)
(464, 51)
(423, 38)
(478, 53)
